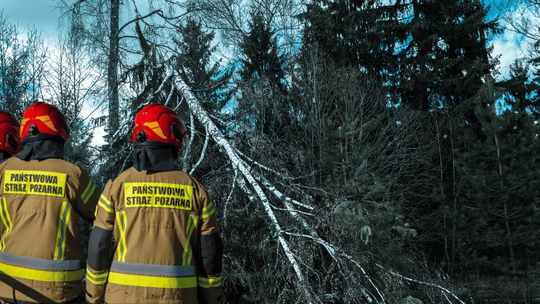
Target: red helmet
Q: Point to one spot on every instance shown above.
(47, 118)
(160, 124)
(10, 140)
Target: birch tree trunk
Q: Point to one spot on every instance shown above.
(254, 190)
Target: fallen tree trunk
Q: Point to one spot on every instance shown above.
(254, 191)
(237, 164)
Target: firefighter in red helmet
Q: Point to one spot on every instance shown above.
(42, 198)
(10, 140)
(168, 248)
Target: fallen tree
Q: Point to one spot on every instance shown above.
(353, 275)
(256, 181)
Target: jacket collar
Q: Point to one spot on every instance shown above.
(154, 156)
(40, 147)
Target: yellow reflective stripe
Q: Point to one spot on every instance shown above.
(6, 220)
(208, 211)
(96, 282)
(40, 275)
(207, 215)
(88, 191)
(124, 216)
(121, 219)
(68, 217)
(209, 282)
(108, 206)
(192, 223)
(205, 209)
(97, 279)
(120, 244)
(152, 281)
(65, 215)
(59, 232)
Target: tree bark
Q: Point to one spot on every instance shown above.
(112, 75)
(237, 163)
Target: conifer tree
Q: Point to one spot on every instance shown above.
(426, 51)
(21, 68)
(209, 82)
(446, 56)
(264, 100)
(356, 33)
(261, 58)
(499, 207)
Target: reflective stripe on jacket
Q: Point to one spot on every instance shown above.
(159, 220)
(40, 206)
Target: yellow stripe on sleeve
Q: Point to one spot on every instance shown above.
(97, 279)
(106, 204)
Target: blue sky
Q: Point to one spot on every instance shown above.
(509, 45)
(32, 13)
(42, 15)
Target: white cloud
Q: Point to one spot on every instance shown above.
(512, 45)
(508, 47)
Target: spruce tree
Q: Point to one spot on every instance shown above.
(264, 102)
(356, 33)
(261, 58)
(447, 54)
(426, 51)
(498, 211)
(209, 82)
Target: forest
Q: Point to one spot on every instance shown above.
(356, 151)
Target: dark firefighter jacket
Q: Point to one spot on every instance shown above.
(167, 249)
(41, 202)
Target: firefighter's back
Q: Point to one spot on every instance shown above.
(155, 218)
(41, 203)
(168, 249)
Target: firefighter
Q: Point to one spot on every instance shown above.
(168, 248)
(10, 140)
(42, 198)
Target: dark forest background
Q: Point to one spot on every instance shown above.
(377, 154)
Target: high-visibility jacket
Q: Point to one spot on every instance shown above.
(40, 206)
(167, 243)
